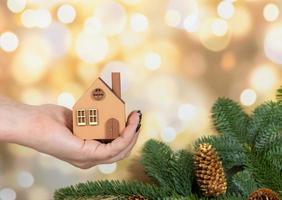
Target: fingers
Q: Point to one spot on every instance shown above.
(101, 152)
(125, 153)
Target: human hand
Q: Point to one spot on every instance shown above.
(48, 129)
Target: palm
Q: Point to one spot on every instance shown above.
(61, 143)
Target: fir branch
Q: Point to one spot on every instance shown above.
(106, 189)
(156, 158)
(266, 116)
(264, 171)
(245, 182)
(229, 150)
(230, 119)
(172, 171)
(279, 94)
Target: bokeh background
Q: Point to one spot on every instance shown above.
(176, 57)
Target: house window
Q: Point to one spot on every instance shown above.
(81, 118)
(93, 117)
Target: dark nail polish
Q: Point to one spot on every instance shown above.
(138, 127)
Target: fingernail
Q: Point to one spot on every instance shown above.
(140, 115)
(138, 127)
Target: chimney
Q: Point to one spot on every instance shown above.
(116, 83)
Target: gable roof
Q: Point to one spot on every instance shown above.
(110, 89)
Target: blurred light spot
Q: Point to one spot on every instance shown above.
(131, 2)
(86, 72)
(29, 68)
(93, 25)
(66, 99)
(9, 41)
(191, 23)
(263, 78)
(187, 112)
(43, 18)
(113, 17)
(172, 18)
(219, 27)
(271, 12)
(138, 22)
(168, 134)
(248, 97)
(273, 44)
(25, 179)
(107, 168)
(228, 61)
(32, 96)
(241, 23)
(91, 48)
(152, 60)
(59, 38)
(28, 18)
(16, 6)
(66, 13)
(212, 41)
(7, 194)
(40, 18)
(225, 9)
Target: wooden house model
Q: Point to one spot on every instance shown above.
(100, 113)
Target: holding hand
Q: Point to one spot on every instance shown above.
(48, 129)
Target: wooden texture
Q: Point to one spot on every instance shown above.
(109, 107)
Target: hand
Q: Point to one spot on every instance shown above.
(48, 129)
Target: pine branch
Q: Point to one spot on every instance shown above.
(266, 116)
(245, 182)
(264, 171)
(279, 94)
(106, 189)
(229, 150)
(172, 171)
(230, 119)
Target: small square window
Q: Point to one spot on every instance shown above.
(93, 117)
(81, 118)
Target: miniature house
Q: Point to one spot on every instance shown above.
(100, 112)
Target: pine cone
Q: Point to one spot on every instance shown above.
(136, 197)
(209, 171)
(264, 194)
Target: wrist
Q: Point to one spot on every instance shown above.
(14, 122)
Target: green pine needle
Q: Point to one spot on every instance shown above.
(230, 119)
(279, 94)
(106, 189)
(170, 170)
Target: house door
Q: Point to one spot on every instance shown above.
(112, 128)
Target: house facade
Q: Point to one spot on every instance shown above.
(100, 112)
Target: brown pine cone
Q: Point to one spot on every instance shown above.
(136, 197)
(209, 171)
(264, 194)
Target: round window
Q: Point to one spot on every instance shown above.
(98, 94)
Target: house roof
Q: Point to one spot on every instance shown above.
(110, 89)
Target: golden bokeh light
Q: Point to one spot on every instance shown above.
(66, 13)
(138, 22)
(248, 97)
(16, 6)
(91, 48)
(212, 41)
(152, 60)
(271, 12)
(172, 18)
(264, 78)
(225, 9)
(9, 41)
(175, 58)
